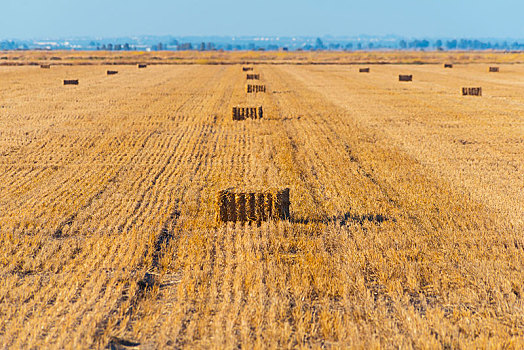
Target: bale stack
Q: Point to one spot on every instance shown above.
(255, 88)
(494, 69)
(112, 72)
(242, 113)
(253, 76)
(472, 91)
(45, 66)
(403, 77)
(448, 65)
(71, 82)
(363, 70)
(250, 207)
(141, 65)
(247, 69)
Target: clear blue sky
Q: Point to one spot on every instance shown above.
(24, 19)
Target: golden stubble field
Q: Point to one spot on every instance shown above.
(406, 224)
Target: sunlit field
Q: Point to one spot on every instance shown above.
(407, 201)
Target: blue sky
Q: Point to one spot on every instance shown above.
(24, 19)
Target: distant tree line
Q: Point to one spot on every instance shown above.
(462, 44)
(12, 45)
(115, 47)
(306, 45)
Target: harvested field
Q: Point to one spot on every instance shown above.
(249, 58)
(405, 224)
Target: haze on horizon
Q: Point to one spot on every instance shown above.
(25, 19)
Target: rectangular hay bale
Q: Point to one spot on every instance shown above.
(448, 65)
(45, 66)
(242, 113)
(403, 77)
(251, 206)
(221, 206)
(71, 82)
(112, 72)
(268, 205)
(255, 88)
(231, 207)
(471, 91)
(494, 69)
(240, 206)
(363, 70)
(282, 204)
(142, 65)
(260, 210)
(240, 202)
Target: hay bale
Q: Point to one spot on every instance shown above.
(237, 113)
(112, 72)
(142, 65)
(268, 205)
(494, 69)
(45, 66)
(472, 91)
(448, 65)
(260, 209)
(247, 69)
(240, 199)
(221, 206)
(71, 82)
(231, 206)
(253, 76)
(238, 206)
(251, 205)
(241, 113)
(363, 70)
(282, 204)
(255, 88)
(403, 77)
(277, 204)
